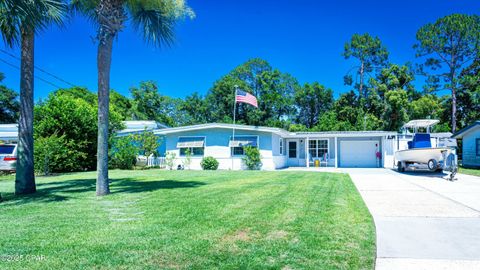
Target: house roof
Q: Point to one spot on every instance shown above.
(460, 133)
(277, 131)
(139, 126)
(367, 133)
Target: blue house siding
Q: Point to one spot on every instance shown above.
(469, 149)
(217, 145)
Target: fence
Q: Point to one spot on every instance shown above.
(156, 162)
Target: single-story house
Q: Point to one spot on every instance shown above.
(279, 148)
(470, 144)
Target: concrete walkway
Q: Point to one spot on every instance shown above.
(422, 220)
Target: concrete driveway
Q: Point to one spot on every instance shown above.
(422, 220)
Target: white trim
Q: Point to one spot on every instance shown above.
(336, 152)
(307, 152)
(281, 146)
(319, 139)
(219, 125)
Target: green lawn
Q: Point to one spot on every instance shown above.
(475, 172)
(159, 219)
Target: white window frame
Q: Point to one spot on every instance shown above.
(281, 146)
(240, 136)
(193, 156)
(318, 148)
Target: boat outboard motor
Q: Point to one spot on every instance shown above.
(450, 164)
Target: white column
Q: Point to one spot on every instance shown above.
(336, 153)
(307, 160)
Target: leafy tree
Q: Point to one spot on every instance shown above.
(397, 109)
(273, 89)
(427, 107)
(149, 104)
(347, 108)
(148, 143)
(74, 120)
(155, 20)
(297, 128)
(371, 54)
(395, 77)
(448, 45)
(121, 104)
(468, 94)
(328, 122)
(9, 105)
(78, 93)
(312, 101)
(196, 109)
(19, 22)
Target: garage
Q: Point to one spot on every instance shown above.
(358, 154)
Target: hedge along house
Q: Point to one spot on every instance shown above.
(470, 136)
(279, 148)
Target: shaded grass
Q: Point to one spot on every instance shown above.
(188, 220)
(474, 172)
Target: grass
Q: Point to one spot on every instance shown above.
(475, 172)
(158, 219)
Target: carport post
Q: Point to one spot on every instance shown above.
(336, 154)
(307, 159)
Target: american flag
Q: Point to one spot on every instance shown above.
(244, 97)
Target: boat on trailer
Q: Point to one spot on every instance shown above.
(420, 152)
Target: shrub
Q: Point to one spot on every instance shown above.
(252, 158)
(123, 153)
(170, 160)
(56, 154)
(209, 163)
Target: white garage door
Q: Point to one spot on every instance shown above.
(358, 154)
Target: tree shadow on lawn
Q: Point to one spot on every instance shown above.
(64, 190)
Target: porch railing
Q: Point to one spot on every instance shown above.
(153, 161)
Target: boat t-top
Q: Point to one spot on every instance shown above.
(420, 151)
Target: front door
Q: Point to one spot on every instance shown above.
(292, 153)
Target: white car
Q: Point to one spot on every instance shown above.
(8, 157)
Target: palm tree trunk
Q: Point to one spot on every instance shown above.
(104, 58)
(25, 176)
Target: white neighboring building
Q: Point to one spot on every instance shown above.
(9, 133)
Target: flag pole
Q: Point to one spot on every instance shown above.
(234, 109)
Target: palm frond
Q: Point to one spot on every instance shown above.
(156, 19)
(35, 15)
(86, 8)
(153, 20)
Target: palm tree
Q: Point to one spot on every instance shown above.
(19, 22)
(155, 19)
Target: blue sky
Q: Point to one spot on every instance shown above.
(303, 37)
